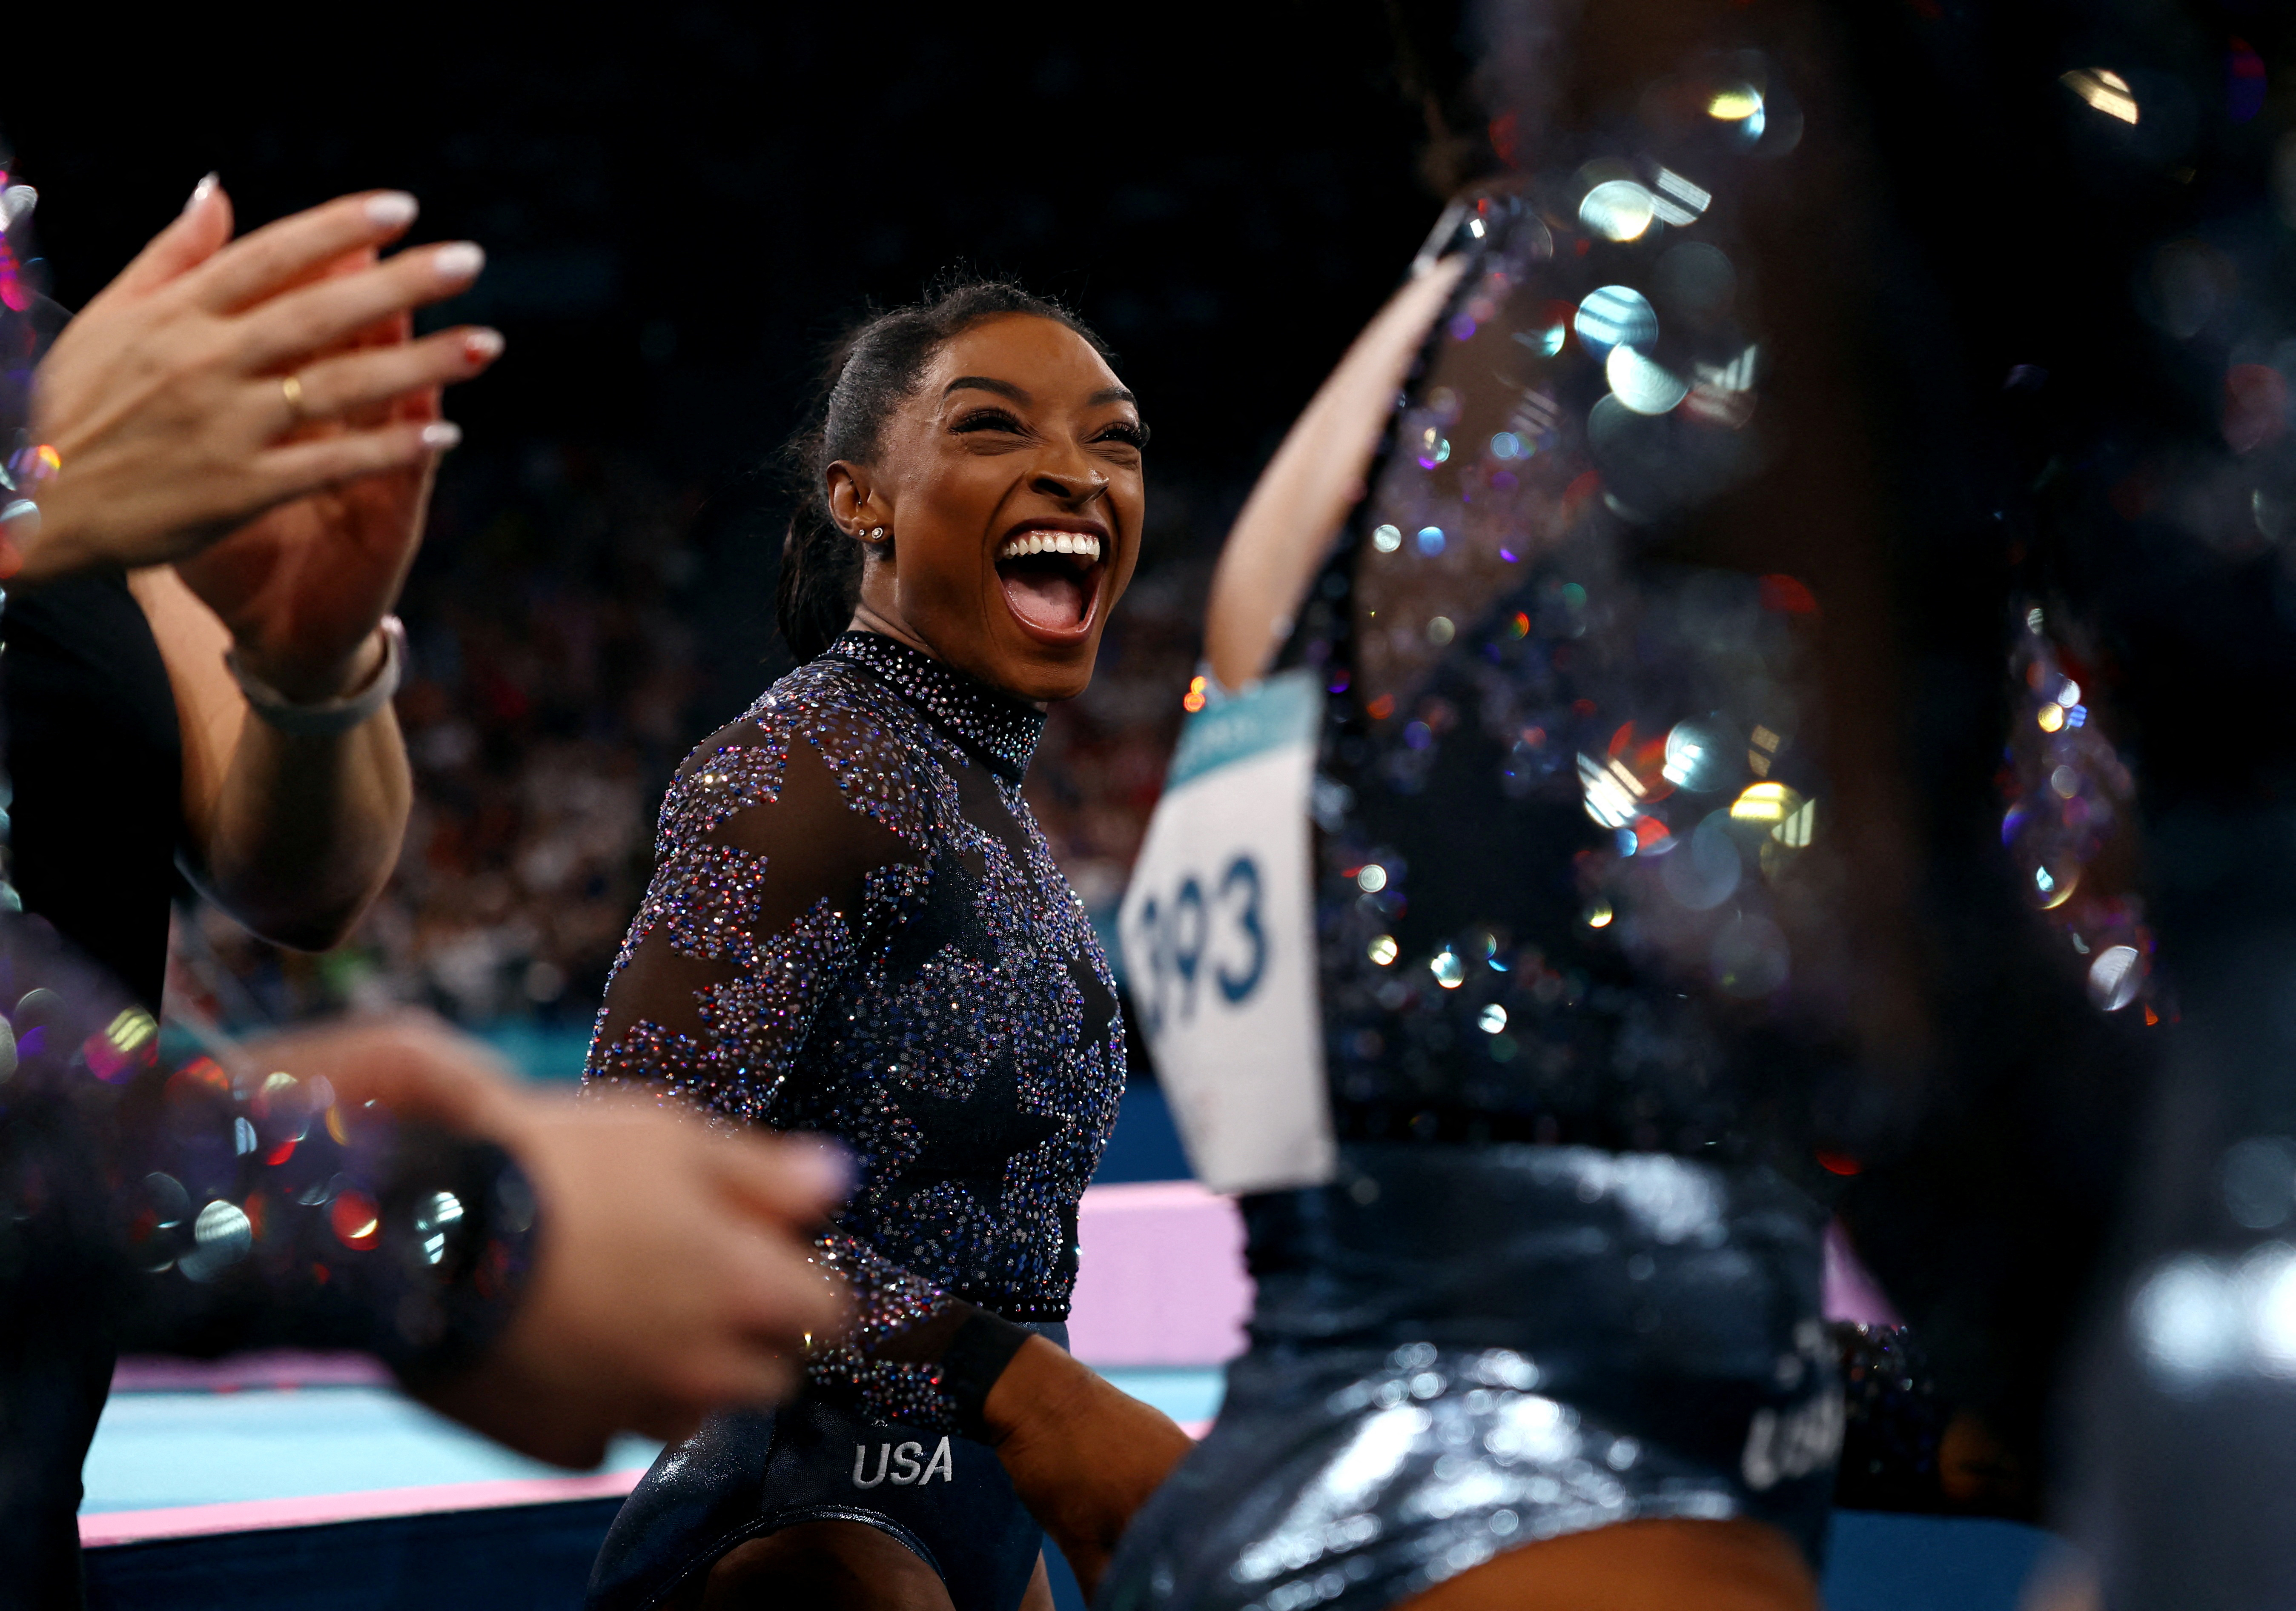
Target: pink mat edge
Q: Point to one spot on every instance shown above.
(105, 1527)
(269, 1368)
(1148, 1194)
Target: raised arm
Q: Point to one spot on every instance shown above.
(293, 834)
(257, 412)
(1303, 497)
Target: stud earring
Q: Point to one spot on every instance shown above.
(875, 534)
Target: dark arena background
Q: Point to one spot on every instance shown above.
(681, 203)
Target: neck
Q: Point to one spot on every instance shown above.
(1002, 728)
(868, 619)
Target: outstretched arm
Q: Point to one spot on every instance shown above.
(1083, 1455)
(548, 1274)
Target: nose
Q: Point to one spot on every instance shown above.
(1075, 488)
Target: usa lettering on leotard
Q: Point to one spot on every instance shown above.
(900, 1463)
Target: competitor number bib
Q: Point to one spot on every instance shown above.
(1217, 930)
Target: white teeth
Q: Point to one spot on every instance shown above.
(1081, 543)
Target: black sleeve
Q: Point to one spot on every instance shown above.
(202, 1208)
(770, 881)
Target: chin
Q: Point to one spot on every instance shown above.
(1046, 672)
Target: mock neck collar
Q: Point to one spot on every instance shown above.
(1003, 728)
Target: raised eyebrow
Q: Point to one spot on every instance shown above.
(1003, 388)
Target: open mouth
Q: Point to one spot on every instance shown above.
(1051, 580)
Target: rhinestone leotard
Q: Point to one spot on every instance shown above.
(854, 928)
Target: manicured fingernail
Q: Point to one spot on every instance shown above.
(391, 209)
(201, 192)
(440, 435)
(482, 345)
(828, 1165)
(458, 260)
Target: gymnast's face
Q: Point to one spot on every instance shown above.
(1009, 482)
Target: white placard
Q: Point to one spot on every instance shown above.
(1220, 943)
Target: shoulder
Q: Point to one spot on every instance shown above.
(874, 743)
(871, 743)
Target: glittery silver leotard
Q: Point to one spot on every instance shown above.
(855, 928)
(1569, 1273)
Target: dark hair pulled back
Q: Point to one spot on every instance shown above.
(871, 373)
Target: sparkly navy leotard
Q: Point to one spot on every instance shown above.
(855, 928)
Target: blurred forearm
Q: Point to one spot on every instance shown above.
(293, 836)
(305, 831)
(190, 1207)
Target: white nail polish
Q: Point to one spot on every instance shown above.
(440, 435)
(391, 209)
(458, 260)
(483, 344)
(201, 192)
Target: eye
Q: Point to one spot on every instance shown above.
(1128, 432)
(986, 418)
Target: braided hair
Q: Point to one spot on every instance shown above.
(871, 373)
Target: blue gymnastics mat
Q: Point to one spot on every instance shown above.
(161, 1450)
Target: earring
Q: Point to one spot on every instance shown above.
(875, 534)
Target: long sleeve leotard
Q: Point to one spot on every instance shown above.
(854, 928)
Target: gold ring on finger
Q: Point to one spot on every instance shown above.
(290, 386)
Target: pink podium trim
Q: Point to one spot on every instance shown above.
(273, 1369)
(1160, 1279)
(1851, 1292)
(313, 1510)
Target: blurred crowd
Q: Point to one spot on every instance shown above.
(574, 632)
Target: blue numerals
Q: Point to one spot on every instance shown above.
(1191, 934)
(1243, 877)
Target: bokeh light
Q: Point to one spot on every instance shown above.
(1614, 316)
(1618, 209)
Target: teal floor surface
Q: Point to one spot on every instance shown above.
(154, 1450)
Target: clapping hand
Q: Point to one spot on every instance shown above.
(258, 410)
(674, 1271)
